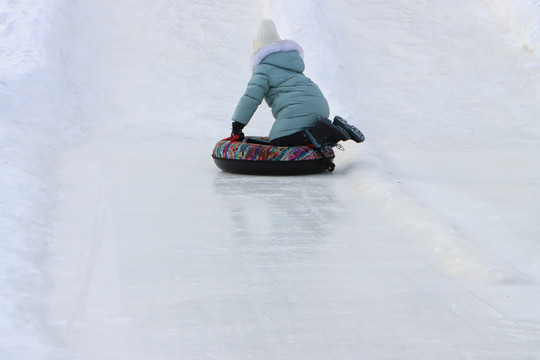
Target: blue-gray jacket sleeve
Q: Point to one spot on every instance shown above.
(257, 88)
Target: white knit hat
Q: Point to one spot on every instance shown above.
(266, 34)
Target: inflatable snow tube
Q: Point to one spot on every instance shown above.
(256, 156)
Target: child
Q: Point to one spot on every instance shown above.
(298, 105)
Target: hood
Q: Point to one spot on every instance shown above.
(286, 54)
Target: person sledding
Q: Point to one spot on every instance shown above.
(298, 105)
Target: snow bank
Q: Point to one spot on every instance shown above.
(36, 111)
(524, 18)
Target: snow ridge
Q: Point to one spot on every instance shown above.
(454, 253)
(36, 111)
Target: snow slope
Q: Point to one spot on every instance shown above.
(423, 243)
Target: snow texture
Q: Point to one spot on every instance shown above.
(120, 239)
(522, 16)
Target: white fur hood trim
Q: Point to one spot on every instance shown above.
(278, 46)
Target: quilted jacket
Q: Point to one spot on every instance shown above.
(295, 100)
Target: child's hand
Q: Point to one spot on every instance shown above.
(237, 134)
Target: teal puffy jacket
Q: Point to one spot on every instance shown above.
(296, 101)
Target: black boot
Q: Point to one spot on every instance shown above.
(326, 133)
(354, 133)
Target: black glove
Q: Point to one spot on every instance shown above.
(237, 133)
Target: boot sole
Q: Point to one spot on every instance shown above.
(353, 132)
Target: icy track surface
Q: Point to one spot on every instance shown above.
(423, 244)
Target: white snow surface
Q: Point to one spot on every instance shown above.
(522, 17)
(120, 239)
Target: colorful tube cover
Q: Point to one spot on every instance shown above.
(255, 149)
